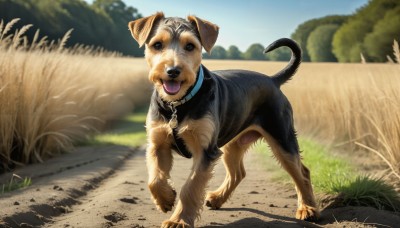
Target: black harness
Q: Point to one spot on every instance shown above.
(179, 145)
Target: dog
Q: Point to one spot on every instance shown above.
(204, 115)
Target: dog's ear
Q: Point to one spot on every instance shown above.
(142, 27)
(207, 30)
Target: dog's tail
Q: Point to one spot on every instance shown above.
(287, 72)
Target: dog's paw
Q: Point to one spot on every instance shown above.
(163, 196)
(173, 224)
(165, 202)
(307, 213)
(214, 201)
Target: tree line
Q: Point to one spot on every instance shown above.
(368, 33)
(254, 52)
(102, 23)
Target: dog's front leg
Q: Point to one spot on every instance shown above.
(192, 195)
(159, 163)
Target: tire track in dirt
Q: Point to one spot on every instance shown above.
(58, 184)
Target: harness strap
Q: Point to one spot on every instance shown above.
(180, 145)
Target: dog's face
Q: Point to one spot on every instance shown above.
(173, 50)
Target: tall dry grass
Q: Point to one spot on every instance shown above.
(51, 96)
(356, 105)
(351, 104)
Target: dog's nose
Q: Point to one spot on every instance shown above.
(173, 72)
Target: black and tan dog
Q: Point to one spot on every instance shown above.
(204, 114)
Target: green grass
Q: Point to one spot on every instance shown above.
(366, 191)
(328, 172)
(16, 182)
(129, 131)
(335, 176)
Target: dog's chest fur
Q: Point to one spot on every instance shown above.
(222, 108)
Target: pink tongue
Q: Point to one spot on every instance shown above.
(171, 87)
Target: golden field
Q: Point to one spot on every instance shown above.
(51, 97)
(49, 100)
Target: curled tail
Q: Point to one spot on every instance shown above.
(287, 72)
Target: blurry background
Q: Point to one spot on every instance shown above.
(328, 31)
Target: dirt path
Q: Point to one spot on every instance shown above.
(124, 197)
(107, 187)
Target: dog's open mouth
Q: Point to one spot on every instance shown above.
(171, 87)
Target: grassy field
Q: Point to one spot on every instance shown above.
(129, 131)
(51, 97)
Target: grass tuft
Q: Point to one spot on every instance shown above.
(16, 182)
(396, 51)
(367, 191)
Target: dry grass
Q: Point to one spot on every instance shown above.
(51, 96)
(349, 104)
(396, 53)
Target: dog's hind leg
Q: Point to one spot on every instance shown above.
(291, 162)
(235, 172)
(233, 153)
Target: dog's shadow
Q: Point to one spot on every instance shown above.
(278, 221)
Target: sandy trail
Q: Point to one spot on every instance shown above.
(124, 200)
(111, 191)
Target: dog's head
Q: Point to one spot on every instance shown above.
(173, 50)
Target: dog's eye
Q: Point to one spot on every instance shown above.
(189, 47)
(158, 46)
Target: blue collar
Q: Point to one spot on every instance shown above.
(194, 90)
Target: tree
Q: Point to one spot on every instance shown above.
(348, 41)
(378, 44)
(118, 11)
(120, 15)
(347, 44)
(102, 24)
(303, 31)
(319, 43)
(218, 52)
(233, 53)
(255, 52)
(280, 54)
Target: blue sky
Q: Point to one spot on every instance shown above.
(244, 22)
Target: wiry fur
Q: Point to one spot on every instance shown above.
(232, 110)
